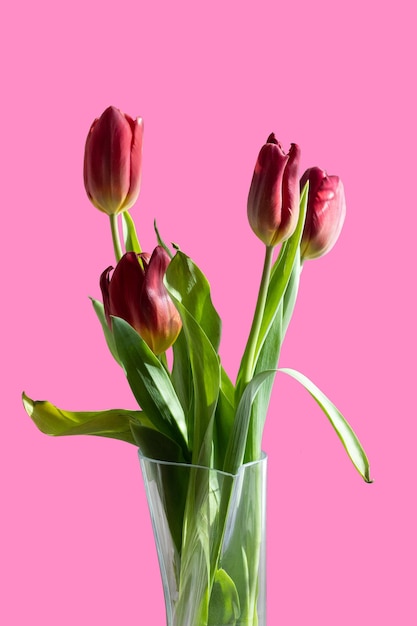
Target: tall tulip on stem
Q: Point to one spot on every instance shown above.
(112, 165)
(273, 210)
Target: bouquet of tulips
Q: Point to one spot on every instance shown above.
(190, 412)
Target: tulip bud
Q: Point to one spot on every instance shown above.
(137, 294)
(274, 195)
(326, 210)
(112, 161)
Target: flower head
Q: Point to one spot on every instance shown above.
(137, 294)
(326, 210)
(112, 161)
(274, 195)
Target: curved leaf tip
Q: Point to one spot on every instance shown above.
(28, 404)
(342, 428)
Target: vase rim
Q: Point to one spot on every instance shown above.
(262, 460)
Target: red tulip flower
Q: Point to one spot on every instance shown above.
(137, 294)
(274, 195)
(326, 210)
(112, 161)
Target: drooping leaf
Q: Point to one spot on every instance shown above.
(51, 420)
(343, 430)
(150, 383)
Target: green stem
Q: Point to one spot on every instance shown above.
(257, 318)
(115, 236)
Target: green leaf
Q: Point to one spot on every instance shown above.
(224, 419)
(51, 420)
(150, 383)
(189, 286)
(224, 607)
(205, 368)
(343, 429)
(194, 290)
(108, 335)
(237, 444)
(268, 360)
(172, 475)
(291, 293)
(154, 445)
(181, 377)
(190, 292)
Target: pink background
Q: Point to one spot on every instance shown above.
(211, 80)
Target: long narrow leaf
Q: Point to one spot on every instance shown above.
(343, 429)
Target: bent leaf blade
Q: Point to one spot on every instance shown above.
(343, 429)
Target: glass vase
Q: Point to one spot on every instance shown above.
(209, 529)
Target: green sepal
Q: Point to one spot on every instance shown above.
(56, 422)
(129, 234)
(343, 429)
(150, 383)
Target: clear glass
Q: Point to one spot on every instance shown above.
(209, 530)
